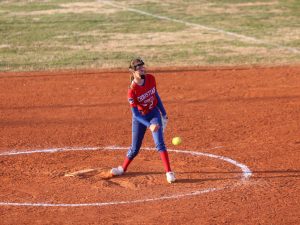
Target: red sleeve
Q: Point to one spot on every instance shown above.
(131, 98)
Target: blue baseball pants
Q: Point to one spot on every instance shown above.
(139, 130)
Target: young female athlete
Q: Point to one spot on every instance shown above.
(147, 112)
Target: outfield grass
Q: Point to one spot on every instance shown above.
(65, 34)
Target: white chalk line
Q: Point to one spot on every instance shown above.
(228, 33)
(246, 174)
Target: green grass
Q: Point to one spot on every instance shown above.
(43, 35)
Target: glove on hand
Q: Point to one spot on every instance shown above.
(164, 121)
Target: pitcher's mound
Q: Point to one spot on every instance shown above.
(102, 173)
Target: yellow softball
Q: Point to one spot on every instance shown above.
(176, 141)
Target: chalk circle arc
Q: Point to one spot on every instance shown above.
(246, 174)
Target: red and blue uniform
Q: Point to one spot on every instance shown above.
(147, 109)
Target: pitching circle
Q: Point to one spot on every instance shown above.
(246, 174)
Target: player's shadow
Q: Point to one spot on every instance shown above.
(203, 177)
(237, 175)
(162, 174)
(211, 176)
(180, 176)
(139, 174)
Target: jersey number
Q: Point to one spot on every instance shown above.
(149, 103)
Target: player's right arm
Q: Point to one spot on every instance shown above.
(134, 109)
(139, 117)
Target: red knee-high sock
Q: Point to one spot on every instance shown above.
(126, 163)
(165, 158)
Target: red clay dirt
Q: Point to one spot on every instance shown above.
(248, 114)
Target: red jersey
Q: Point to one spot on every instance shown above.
(143, 97)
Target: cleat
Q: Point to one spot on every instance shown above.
(117, 171)
(170, 177)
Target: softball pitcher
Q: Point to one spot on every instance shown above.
(147, 112)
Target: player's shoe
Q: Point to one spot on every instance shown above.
(117, 171)
(171, 177)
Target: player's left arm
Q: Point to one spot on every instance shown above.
(164, 118)
(159, 102)
(160, 105)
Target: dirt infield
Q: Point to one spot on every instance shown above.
(250, 116)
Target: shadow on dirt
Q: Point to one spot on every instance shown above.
(255, 174)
